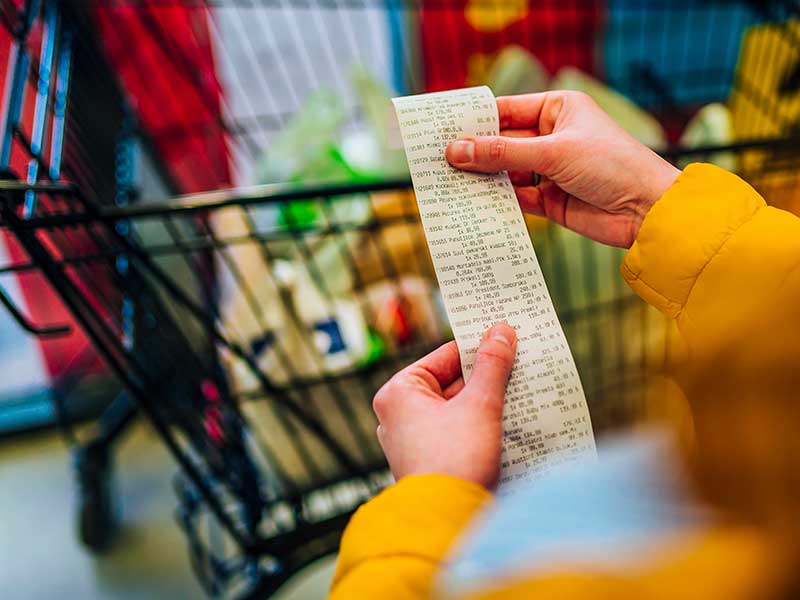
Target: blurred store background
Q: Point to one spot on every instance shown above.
(211, 257)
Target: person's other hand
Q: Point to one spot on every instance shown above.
(430, 422)
(595, 178)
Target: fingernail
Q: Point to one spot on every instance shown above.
(503, 332)
(462, 151)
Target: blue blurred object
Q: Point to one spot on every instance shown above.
(400, 41)
(645, 67)
(606, 513)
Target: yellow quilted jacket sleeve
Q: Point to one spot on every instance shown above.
(396, 542)
(709, 251)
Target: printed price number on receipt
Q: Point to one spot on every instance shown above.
(488, 272)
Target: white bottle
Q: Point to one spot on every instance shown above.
(335, 325)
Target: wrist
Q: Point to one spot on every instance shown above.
(661, 179)
(484, 478)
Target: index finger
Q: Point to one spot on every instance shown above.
(520, 111)
(438, 369)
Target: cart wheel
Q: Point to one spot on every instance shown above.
(97, 523)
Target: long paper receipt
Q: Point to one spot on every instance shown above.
(488, 272)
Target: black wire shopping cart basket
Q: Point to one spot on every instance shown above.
(251, 326)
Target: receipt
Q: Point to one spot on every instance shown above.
(488, 272)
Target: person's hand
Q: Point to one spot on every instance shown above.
(595, 178)
(430, 422)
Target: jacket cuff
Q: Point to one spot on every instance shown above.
(683, 231)
(420, 516)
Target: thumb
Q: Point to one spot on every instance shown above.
(492, 366)
(500, 153)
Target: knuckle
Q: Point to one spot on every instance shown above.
(381, 400)
(497, 149)
(552, 109)
(418, 376)
(583, 99)
(495, 355)
(578, 96)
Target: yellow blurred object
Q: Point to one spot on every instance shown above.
(490, 16)
(759, 108)
(780, 187)
(478, 66)
(396, 246)
(780, 183)
(516, 70)
(535, 223)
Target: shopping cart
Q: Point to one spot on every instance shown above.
(252, 325)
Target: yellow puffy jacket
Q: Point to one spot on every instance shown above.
(709, 251)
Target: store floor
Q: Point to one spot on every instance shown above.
(40, 557)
